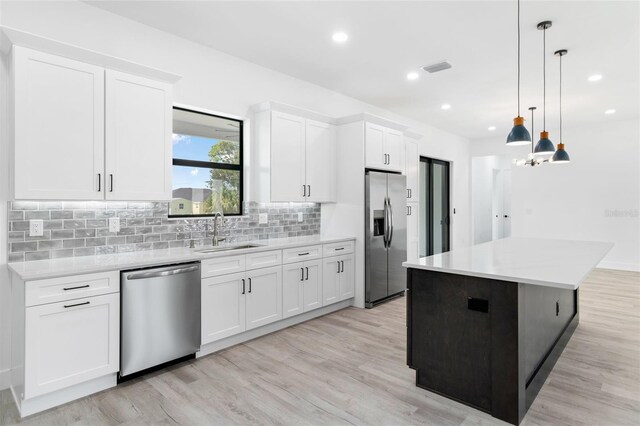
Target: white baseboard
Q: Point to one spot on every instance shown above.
(5, 379)
(270, 328)
(621, 266)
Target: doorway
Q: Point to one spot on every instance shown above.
(501, 204)
(435, 221)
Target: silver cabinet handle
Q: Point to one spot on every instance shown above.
(304, 190)
(110, 182)
(338, 262)
(309, 191)
(303, 254)
(243, 286)
(99, 182)
(154, 274)
(342, 263)
(307, 279)
(75, 288)
(301, 274)
(389, 160)
(249, 285)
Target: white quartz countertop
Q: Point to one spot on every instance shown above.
(552, 263)
(40, 269)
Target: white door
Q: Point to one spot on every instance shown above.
(287, 158)
(413, 230)
(347, 277)
(331, 267)
(138, 138)
(312, 285)
(375, 155)
(71, 342)
(394, 147)
(223, 306)
(320, 161)
(292, 289)
(59, 127)
(506, 203)
(264, 296)
(501, 204)
(412, 161)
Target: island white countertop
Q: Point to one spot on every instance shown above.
(51, 268)
(551, 263)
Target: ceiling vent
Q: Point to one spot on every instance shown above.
(440, 66)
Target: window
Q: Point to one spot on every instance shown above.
(207, 164)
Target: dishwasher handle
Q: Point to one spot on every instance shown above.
(154, 274)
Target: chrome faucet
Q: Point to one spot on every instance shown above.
(215, 241)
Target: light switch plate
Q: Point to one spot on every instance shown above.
(36, 228)
(263, 218)
(114, 224)
(300, 218)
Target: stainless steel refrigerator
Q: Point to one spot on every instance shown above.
(385, 236)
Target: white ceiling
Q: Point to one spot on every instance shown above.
(389, 39)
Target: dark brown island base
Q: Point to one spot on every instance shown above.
(482, 339)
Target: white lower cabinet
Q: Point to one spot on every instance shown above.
(263, 296)
(70, 342)
(234, 303)
(223, 306)
(301, 287)
(338, 279)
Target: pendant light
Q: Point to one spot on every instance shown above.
(519, 134)
(560, 156)
(544, 145)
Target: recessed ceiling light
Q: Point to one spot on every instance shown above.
(610, 111)
(412, 76)
(340, 37)
(445, 106)
(491, 128)
(595, 77)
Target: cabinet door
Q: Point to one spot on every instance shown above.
(394, 147)
(312, 285)
(292, 289)
(59, 127)
(138, 138)
(375, 154)
(413, 230)
(70, 342)
(223, 306)
(347, 277)
(330, 280)
(287, 157)
(320, 161)
(412, 164)
(264, 296)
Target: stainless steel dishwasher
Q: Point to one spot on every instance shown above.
(160, 316)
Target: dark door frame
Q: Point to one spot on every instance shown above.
(447, 182)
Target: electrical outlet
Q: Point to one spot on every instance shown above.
(263, 218)
(114, 224)
(300, 218)
(35, 228)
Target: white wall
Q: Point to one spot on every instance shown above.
(217, 81)
(595, 197)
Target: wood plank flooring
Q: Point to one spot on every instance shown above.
(349, 368)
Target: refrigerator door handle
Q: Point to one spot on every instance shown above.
(390, 222)
(385, 236)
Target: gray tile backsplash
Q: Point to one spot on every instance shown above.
(81, 228)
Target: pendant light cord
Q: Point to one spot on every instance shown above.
(532, 130)
(544, 80)
(561, 98)
(518, 58)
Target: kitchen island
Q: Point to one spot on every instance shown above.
(486, 324)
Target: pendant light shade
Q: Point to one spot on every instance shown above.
(560, 156)
(519, 134)
(544, 145)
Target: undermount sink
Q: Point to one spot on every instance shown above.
(227, 248)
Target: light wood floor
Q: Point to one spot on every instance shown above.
(349, 368)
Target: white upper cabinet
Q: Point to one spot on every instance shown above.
(86, 133)
(412, 161)
(320, 157)
(138, 138)
(287, 157)
(59, 127)
(384, 148)
(292, 158)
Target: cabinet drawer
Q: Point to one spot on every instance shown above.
(301, 254)
(223, 265)
(263, 259)
(336, 249)
(60, 289)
